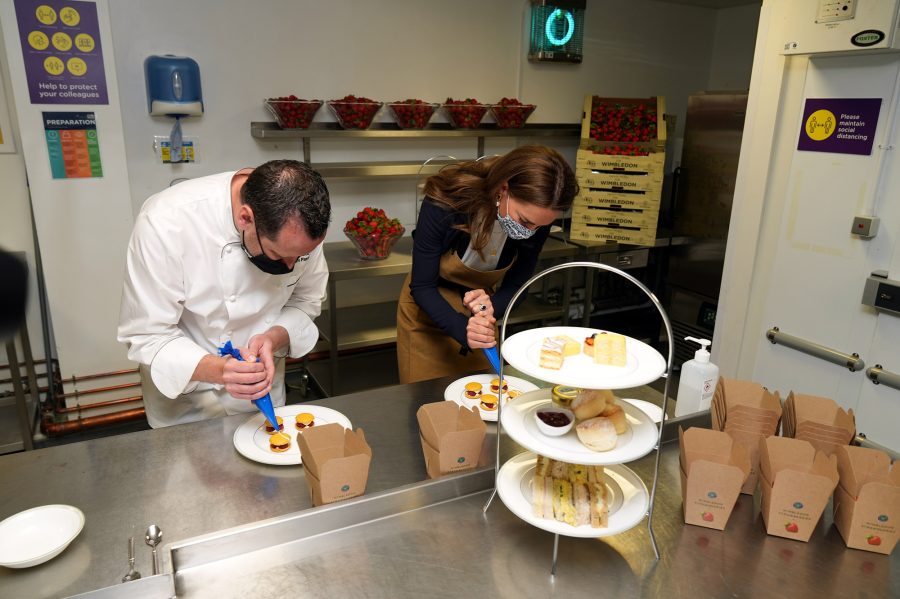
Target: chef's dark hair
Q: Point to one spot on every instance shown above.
(282, 189)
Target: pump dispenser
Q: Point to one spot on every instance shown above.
(697, 382)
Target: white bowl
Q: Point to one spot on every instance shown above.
(37, 535)
(554, 431)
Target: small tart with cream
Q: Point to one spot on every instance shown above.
(279, 442)
(473, 390)
(271, 430)
(304, 420)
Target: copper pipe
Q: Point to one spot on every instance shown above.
(100, 404)
(56, 429)
(100, 375)
(98, 390)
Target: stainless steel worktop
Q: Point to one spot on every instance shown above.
(191, 482)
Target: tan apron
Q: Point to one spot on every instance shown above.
(425, 351)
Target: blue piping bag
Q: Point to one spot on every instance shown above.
(493, 357)
(263, 403)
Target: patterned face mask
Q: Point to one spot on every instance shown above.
(513, 228)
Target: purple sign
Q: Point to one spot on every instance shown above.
(841, 126)
(61, 51)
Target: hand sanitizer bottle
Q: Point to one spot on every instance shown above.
(697, 382)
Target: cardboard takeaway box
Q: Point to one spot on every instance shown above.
(713, 468)
(819, 420)
(336, 462)
(748, 412)
(867, 500)
(451, 437)
(796, 483)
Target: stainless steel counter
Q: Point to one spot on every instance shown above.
(191, 482)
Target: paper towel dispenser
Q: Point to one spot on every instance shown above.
(173, 86)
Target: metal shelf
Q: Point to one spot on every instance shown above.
(364, 170)
(271, 130)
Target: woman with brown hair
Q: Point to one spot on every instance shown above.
(481, 222)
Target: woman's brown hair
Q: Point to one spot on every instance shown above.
(535, 174)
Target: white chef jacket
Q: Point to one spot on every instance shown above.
(189, 288)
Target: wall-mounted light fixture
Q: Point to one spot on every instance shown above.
(557, 30)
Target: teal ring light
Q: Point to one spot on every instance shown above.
(548, 28)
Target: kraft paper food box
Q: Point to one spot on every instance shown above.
(796, 482)
(713, 468)
(336, 461)
(867, 499)
(819, 420)
(451, 437)
(748, 412)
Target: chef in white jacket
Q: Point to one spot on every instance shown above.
(235, 256)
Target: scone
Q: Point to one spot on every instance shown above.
(304, 420)
(617, 415)
(597, 434)
(590, 402)
(279, 442)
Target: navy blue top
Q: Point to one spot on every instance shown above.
(433, 237)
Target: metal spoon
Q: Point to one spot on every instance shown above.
(132, 573)
(153, 538)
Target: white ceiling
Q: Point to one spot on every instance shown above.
(714, 3)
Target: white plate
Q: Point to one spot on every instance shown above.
(456, 391)
(644, 364)
(650, 409)
(627, 498)
(519, 424)
(34, 536)
(252, 441)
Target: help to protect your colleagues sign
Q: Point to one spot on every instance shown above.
(61, 50)
(841, 126)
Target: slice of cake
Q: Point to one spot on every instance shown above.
(551, 354)
(609, 349)
(570, 346)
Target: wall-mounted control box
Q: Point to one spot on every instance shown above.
(865, 226)
(882, 293)
(841, 26)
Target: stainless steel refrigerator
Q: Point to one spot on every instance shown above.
(703, 193)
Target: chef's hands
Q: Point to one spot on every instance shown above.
(252, 378)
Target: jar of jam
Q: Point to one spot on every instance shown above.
(563, 395)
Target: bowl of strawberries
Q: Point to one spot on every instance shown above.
(511, 114)
(412, 113)
(373, 233)
(354, 112)
(465, 114)
(291, 112)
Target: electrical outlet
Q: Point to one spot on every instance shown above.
(162, 145)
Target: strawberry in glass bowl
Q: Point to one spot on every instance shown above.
(511, 114)
(465, 114)
(291, 112)
(412, 113)
(373, 233)
(354, 112)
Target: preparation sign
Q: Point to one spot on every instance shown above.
(72, 144)
(840, 126)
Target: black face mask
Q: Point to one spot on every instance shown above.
(263, 262)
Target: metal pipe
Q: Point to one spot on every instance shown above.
(78, 393)
(100, 404)
(56, 429)
(22, 365)
(851, 361)
(878, 375)
(101, 375)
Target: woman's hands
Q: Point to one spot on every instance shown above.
(480, 328)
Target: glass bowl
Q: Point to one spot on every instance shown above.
(293, 114)
(465, 116)
(354, 115)
(412, 115)
(376, 246)
(511, 116)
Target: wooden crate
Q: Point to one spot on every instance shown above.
(618, 181)
(657, 103)
(628, 235)
(620, 218)
(610, 199)
(588, 159)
